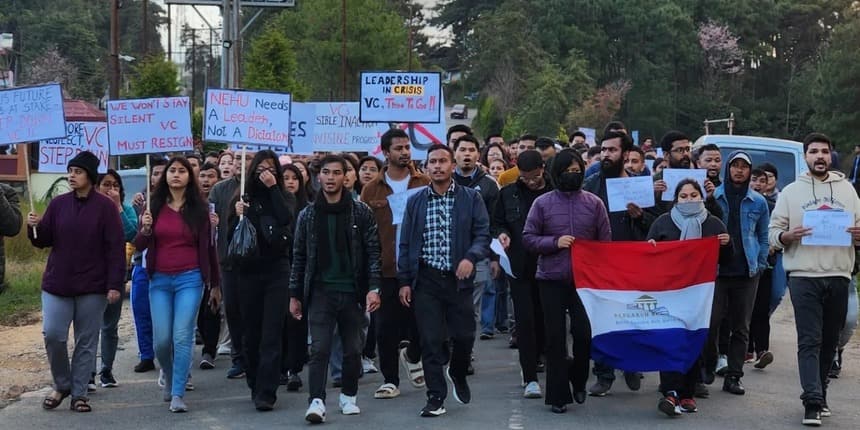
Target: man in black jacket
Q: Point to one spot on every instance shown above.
(629, 225)
(509, 217)
(335, 276)
(10, 224)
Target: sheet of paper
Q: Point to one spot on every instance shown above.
(397, 203)
(504, 261)
(673, 176)
(638, 190)
(828, 228)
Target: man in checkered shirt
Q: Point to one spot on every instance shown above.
(445, 231)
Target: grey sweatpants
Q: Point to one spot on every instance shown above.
(58, 313)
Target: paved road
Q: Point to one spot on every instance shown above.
(218, 403)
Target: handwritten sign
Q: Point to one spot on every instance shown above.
(401, 97)
(29, 114)
(248, 117)
(828, 228)
(638, 190)
(673, 176)
(55, 154)
(155, 125)
(397, 204)
(336, 127)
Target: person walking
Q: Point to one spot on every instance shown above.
(818, 276)
(110, 185)
(264, 299)
(687, 220)
(445, 233)
(10, 225)
(85, 270)
(555, 221)
(334, 280)
(181, 261)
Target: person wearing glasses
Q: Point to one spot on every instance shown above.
(677, 150)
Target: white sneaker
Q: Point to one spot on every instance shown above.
(224, 350)
(532, 391)
(348, 406)
(161, 381)
(722, 365)
(368, 366)
(316, 412)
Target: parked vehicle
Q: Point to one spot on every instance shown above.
(786, 155)
(459, 111)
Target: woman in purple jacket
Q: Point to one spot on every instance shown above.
(85, 270)
(555, 221)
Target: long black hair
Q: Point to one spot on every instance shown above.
(253, 186)
(302, 197)
(112, 172)
(195, 211)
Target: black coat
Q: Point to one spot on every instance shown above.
(509, 217)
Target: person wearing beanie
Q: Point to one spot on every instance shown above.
(508, 220)
(556, 219)
(85, 270)
(746, 215)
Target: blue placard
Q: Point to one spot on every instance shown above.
(28, 114)
(247, 117)
(401, 97)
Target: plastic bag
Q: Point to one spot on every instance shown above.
(243, 245)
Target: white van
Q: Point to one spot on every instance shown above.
(786, 155)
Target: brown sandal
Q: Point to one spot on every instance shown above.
(80, 405)
(54, 399)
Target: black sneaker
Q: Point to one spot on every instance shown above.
(91, 385)
(825, 411)
(470, 370)
(732, 384)
(461, 389)
(144, 366)
(207, 362)
(294, 383)
(236, 372)
(487, 336)
(812, 416)
(701, 391)
(106, 379)
(633, 380)
(337, 383)
(433, 408)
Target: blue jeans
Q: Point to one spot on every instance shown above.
(486, 287)
(779, 284)
(141, 312)
(175, 300)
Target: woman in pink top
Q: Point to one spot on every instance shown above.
(181, 261)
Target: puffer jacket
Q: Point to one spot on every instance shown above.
(363, 242)
(576, 213)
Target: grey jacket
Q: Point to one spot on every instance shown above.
(224, 196)
(10, 222)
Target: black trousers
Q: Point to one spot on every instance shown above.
(209, 325)
(264, 303)
(231, 291)
(294, 344)
(760, 321)
(734, 298)
(394, 322)
(559, 299)
(443, 311)
(683, 384)
(369, 350)
(528, 314)
(325, 310)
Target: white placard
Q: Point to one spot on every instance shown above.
(142, 126)
(397, 203)
(504, 261)
(28, 114)
(638, 190)
(248, 117)
(55, 154)
(829, 228)
(673, 176)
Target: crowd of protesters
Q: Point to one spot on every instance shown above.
(340, 282)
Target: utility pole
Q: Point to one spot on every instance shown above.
(237, 43)
(343, 52)
(411, 35)
(114, 50)
(145, 42)
(193, 67)
(226, 42)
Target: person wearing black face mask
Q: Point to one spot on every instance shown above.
(554, 222)
(629, 225)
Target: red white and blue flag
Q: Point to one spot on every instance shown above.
(649, 307)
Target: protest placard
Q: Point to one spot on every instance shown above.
(673, 176)
(248, 117)
(29, 114)
(142, 126)
(638, 190)
(55, 154)
(401, 97)
(829, 227)
(336, 127)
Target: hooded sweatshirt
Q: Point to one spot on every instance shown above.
(805, 194)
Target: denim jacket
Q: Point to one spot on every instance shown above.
(755, 217)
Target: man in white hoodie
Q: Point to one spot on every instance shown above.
(818, 275)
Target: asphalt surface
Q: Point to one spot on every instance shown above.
(497, 403)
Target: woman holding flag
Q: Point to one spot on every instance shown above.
(688, 219)
(555, 221)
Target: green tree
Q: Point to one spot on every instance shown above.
(271, 65)
(155, 77)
